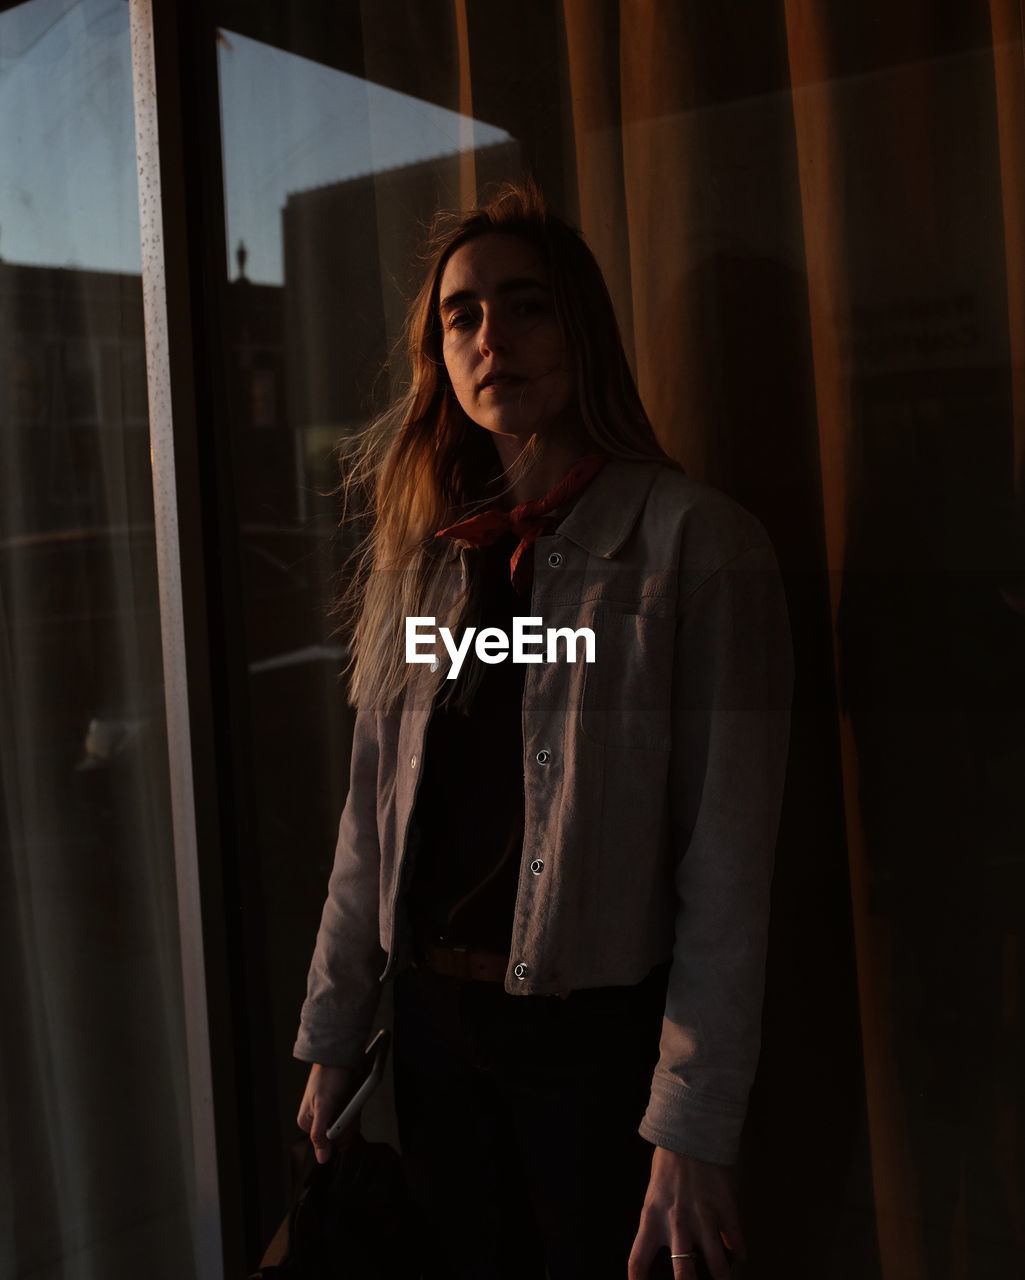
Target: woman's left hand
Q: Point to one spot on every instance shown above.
(690, 1205)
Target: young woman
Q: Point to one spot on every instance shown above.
(564, 864)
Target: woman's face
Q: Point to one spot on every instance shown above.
(501, 341)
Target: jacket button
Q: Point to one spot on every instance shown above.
(537, 866)
(412, 762)
(555, 559)
(520, 971)
(543, 757)
(435, 665)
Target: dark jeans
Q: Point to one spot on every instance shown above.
(518, 1123)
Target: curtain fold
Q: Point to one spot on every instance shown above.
(467, 142)
(824, 186)
(661, 134)
(592, 45)
(1009, 76)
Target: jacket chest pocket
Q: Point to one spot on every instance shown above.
(627, 690)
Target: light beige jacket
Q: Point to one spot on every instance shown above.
(653, 780)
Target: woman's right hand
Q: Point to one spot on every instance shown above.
(327, 1091)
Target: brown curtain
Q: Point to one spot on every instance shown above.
(811, 215)
(1009, 83)
(811, 218)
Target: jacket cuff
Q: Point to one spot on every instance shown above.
(326, 1055)
(692, 1124)
(325, 1036)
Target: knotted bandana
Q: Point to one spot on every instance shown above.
(529, 520)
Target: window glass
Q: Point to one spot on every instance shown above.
(93, 1090)
(322, 226)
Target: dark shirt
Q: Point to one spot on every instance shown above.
(469, 808)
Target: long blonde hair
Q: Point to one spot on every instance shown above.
(423, 464)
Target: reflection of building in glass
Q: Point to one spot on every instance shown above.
(74, 368)
(265, 482)
(73, 395)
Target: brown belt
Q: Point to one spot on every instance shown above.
(464, 962)
(453, 961)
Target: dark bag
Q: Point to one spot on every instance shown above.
(353, 1219)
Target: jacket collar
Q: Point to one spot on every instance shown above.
(608, 508)
(606, 511)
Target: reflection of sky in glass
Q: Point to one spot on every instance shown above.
(68, 193)
(290, 124)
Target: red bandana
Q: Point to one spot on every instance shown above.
(529, 520)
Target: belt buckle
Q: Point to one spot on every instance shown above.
(451, 958)
(460, 952)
